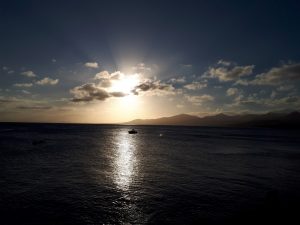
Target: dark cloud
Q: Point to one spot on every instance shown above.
(5, 100)
(36, 107)
(117, 94)
(152, 86)
(89, 92)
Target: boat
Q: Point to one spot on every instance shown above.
(133, 131)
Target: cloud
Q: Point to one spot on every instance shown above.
(178, 80)
(102, 75)
(7, 100)
(36, 107)
(25, 92)
(224, 63)
(106, 75)
(273, 94)
(199, 99)
(53, 60)
(4, 100)
(105, 78)
(232, 91)
(23, 85)
(28, 73)
(47, 81)
(268, 103)
(179, 106)
(226, 73)
(92, 65)
(195, 85)
(285, 87)
(105, 83)
(10, 72)
(278, 75)
(116, 75)
(153, 86)
(90, 91)
(117, 94)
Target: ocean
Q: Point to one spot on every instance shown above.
(100, 174)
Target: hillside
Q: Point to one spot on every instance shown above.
(271, 119)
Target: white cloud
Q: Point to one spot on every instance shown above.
(195, 85)
(116, 75)
(199, 99)
(102, 75)
(28, 73)
(232, 91)
(224, 62)
(23, 85)
(278, 75)
(178, 80)
(92, 65)
(5, 68)
(271, 103)
(224, 73)
(47, 81)
(10, 72)
(105, 78)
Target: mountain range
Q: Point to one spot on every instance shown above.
(271, 119)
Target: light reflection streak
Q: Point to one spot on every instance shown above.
(125, 161)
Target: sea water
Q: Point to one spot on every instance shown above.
(100, 174)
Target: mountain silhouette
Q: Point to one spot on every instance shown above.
(271, 119)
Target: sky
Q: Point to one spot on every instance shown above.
(115, 61)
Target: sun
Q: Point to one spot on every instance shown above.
(125, 84)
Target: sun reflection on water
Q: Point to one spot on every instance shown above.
(125, 163)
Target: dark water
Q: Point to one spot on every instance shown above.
(90, 174)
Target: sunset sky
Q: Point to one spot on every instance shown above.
(114, 61)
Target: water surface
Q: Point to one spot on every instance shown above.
(93, 174)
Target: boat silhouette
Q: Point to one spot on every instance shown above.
(132, 131)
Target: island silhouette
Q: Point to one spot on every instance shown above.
(271, 119)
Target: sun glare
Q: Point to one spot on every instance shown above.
(126, 84)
